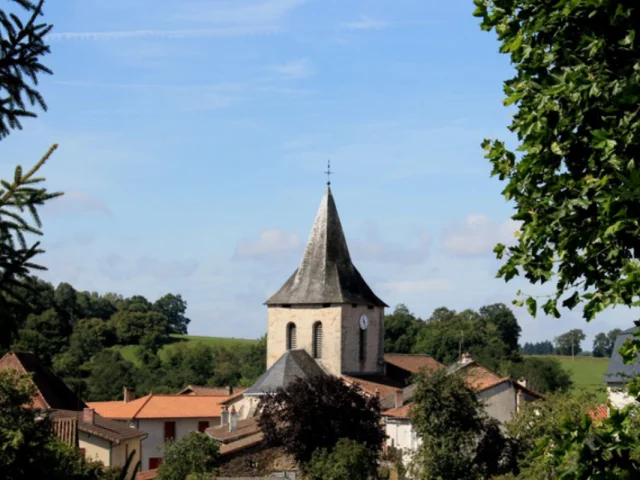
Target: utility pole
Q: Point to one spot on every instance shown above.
(461, 344)
(573, 358)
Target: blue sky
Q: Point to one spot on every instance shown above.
(194, 135)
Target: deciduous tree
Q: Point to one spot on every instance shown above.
(348, 459)
(192, 456)
(174, 308)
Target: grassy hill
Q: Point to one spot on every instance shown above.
(128, 351)
(587, 373)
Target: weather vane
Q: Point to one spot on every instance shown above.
(328, 172)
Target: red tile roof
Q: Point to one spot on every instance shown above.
(373, 384)
(162, 406)
(413, 363)
(51, 390)
(599, 413)
(148, 475)
(400, 412)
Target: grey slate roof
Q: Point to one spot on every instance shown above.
(326, 273)
(292, 364)
(619, 371)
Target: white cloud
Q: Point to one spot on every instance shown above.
(417, 286)
(171, 34)
(294, 69)
(272, 243)
(477, 235)
(75, 202)
(365, 23)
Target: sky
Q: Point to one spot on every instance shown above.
(194, 136)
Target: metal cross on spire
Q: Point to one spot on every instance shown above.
(328, 172)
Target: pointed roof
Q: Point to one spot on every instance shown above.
(326, 273)
(51, 391)
(291, 365)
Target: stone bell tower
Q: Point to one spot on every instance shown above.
(326, 307)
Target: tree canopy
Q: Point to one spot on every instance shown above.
(194, 454)
(315, 413)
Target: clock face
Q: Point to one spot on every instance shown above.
(364, 322)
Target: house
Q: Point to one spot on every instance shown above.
(51, 391)
(98, 438)
(619, 373)
(72, 421)
(163, 417)
(503, 397)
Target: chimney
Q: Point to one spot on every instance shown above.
(129, 395)
(229, 390)
(224, 416)
(233, 420)
(88, 415)
(399, 398)
(466, 358)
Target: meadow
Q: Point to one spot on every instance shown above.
(586, 373)
(187, 341)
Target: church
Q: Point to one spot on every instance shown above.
(325, 319)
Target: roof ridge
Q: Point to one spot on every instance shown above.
(143, 405)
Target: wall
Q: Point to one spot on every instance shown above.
(618, 396)
(304, 317)
(500, 401)
(95, 448)
(256, 461)
(119, 453)
(401, 435)
(244, 405)
(340, 332)
(152, 445)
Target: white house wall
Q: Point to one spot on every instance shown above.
(152, 446)
(95, 448)
(618, 396)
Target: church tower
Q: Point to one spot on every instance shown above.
(326, 307)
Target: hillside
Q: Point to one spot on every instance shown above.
(586, 373)
(128, 351)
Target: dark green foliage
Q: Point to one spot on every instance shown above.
(29, 450)
(502, 318)
(570, 343)
(22, 45)
(348, 459)
(545, 375)
(575, 180)
(133, 327)
(539, 348)
(108, 373)
(459, 440)
(43, 334)
(603, 343)
(400, 329)
(311, 414)
(195, 453)
(174, 308)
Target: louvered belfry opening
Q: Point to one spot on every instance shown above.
(291, 336)
(363, 345)
(317, 340)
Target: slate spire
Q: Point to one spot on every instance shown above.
(326, 273)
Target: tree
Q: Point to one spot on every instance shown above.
(505, 322)
(400, 329)
(348, 459)
(538, 348)
(575, 183)
(29, 449)
(22, 45)
(108, 374)
(570, 343)
(544, 375)
(133, 326)
(315, 413)
(603, 343)
(44, 335)
(195, 453)
(458, 439)
(174, 308)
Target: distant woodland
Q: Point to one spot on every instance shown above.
(79, 334)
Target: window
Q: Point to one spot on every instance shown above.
(291, 336)
(363, 345)
(317, 340)
(169, 431)
(154, 462)
(202, 426)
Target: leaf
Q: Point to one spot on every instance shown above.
(532, 306)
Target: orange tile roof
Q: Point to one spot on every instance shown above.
(599, 413)
(148, 475)
(400, 412)
(480, 377)
(373, 384)
(413, 363)
(162, 406)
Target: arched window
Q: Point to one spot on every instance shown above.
(317, 340)
(363, 345)
(291, 336)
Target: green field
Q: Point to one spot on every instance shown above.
(128, 351)
(586, 373)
